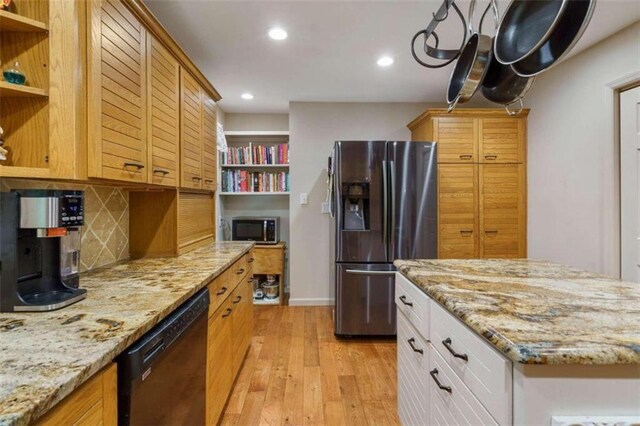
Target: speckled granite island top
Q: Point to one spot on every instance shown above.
(45, 356)
(537, 312)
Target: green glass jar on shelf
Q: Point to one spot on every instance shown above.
(14, 75)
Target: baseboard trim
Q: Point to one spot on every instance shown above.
(311, 302)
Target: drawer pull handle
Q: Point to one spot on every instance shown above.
(490, 157)
(222, 291)
(196, 178)
(434, 376)
(240, 271)
(491, 231)
(403, 299)
(447, 344)
(228, 313)
(411, 343)
(161, 171)
(466, 231)
(136, 165)
(237, 300)
(466, 157)
(208, 181)
(250, 260)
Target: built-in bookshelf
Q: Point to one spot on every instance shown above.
(256, 163)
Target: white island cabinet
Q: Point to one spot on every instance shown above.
(449, 375)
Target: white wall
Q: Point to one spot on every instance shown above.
(313, 129)
(573, 161)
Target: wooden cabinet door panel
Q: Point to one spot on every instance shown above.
(163, 114)
(238, 303)
(268, 260)
(502, 140)
(209, 142)
(457, 211)
(502, 211)
(196, 220)
(117, 147)
(191, 130)
(457, 139)
(219, 374)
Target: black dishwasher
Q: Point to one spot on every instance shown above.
(162, 376)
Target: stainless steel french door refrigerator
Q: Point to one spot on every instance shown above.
(383, 202)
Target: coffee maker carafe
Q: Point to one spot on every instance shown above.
(40, 232)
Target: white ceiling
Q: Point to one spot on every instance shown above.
(332, 48)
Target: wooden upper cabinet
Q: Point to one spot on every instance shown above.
(458, 211)
(209, 142)
(191, 132)
(503, 227)
(502, 140)
(163, 112)
(457, 139)
(117, 142)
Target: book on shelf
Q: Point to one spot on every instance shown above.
(246, 181)
(256, 155)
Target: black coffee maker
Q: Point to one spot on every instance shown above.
(40, 249)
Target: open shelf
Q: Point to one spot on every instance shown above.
(266, 301)
(256, 133)
(9, 90)
(255, 166)
(254, 193)
(11, 22)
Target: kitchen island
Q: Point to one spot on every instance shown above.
(515, 342)
(46, 356)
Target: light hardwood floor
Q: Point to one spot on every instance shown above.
(296, 372)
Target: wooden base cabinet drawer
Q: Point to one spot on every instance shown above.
(485, 372)
(413, 374)
(451, 402)
(412, 302)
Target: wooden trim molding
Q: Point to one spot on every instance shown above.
(464, 112)
(155, 27)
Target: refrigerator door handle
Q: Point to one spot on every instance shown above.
(392, 166)
(363, 272)
(385, 208)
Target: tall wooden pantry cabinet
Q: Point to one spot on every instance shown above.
(482, 189)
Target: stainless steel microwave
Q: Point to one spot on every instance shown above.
(262, 230)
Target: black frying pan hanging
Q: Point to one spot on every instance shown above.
(561, 40)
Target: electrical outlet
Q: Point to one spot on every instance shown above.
(326, 207)
(304, 198)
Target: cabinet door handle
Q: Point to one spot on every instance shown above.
(208, 181)
(466, 157)
(132, 164)
(490, 157)
(237, 300)
(228, 312)
(161, 171)
(197, 178)
(466, 231)
(447, 344)
(250, 260)
(491, 231)
(411, 343)
(240, 271)
(434, 376)
(403, 299)
(222, 291)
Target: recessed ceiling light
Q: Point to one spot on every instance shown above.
(277, 33)
(247, 96)
(385, 61)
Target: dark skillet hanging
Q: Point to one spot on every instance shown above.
(471, 66)
(524, 27)
(501, 84)
(562, 38)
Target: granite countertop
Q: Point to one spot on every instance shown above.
(45, 356)
(537, 312)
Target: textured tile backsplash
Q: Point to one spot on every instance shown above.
(105, 235)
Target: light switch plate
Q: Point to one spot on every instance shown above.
(304, 198)
(326, 207)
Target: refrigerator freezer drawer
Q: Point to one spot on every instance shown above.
(365, 300)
